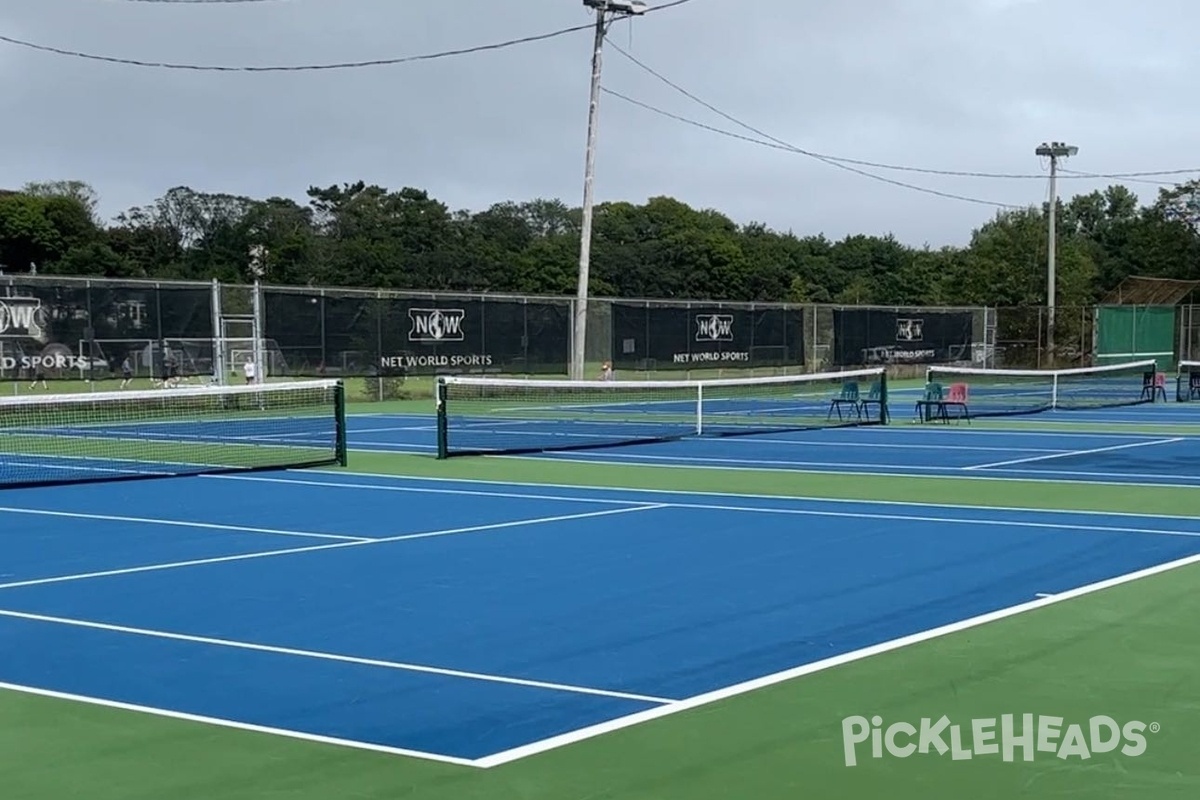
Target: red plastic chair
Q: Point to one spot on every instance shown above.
(958, 395)
(1155, 390)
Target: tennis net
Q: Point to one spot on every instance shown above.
(75, 438)
(479, 416)
(1002, 392)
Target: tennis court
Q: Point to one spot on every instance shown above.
(551, 616)
(1038, 451)
(473, 624)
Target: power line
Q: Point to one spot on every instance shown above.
(850, 163)
(1133, 177)
(665, 6)
(381, 62)
(878, 165)
(859, 162)
(845, 164)
(199, 2)
(799, 151)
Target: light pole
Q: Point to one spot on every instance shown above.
(1054, 151)
(606, 12)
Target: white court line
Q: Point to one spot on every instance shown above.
(352, 431)
(754, 440)
(1167, 420)
(74, 467)
(391, 447)
(427, 490)
(753, 462)
(1068, 453)
(573, 737)
(233, 441)
(807, 512)
(698, 493)
(950, 474)
(401, 447)
(181, 524)
(1002, 523)
(318, 547)
(414, 447)
(925, 430)
(240, 726)
(399, 666)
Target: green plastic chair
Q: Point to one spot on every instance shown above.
(875, 396)
(932, 404)
(847, 396)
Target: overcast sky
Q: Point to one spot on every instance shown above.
(970, 85)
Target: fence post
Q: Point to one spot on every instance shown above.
(1039, 337)
(218, 340)
(260, 363)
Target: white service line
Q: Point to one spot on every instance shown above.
(635, 490)
(430, 490)
(174, 523)
(319, 547)
(399, 666)
(1068, 453)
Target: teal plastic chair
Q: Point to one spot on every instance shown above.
(875, 397)
(847, 396)
(932, 404)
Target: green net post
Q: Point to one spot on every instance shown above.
(339, 394)
(883, 398)
(443, 447)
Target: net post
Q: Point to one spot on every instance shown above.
(339, 402)
(443, 444)
(699, 409)
(883, 397)
(1054, 391)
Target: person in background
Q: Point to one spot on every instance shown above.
(248, 369)
(39, 376)
(171, 370)
(606, 372)
(126, 373)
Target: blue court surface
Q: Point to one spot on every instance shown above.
(476, 622)
(1047, 446)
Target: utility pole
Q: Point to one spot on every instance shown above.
(1054, 151)
(606, 12)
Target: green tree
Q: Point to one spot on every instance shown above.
(29, 240)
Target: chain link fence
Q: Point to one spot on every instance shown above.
(60, 329)
(89, 331)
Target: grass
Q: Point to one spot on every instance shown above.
(791, 483)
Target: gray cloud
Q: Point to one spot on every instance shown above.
(951, 84)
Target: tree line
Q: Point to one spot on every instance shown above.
(363, 235)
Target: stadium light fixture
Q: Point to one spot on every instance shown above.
(1054, 151)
